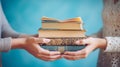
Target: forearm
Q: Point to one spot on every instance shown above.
(102, 43)
(6, 29)
(109, 44)
(7, 44)
(18, 43)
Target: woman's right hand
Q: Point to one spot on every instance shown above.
(92, 44)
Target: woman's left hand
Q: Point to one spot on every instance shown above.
(92, 44)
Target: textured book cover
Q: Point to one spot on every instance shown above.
(63, 44)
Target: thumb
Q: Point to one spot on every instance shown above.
(46, 40)
(42, 40)
(82, 42)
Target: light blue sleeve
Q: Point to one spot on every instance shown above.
(7, 33)
(6, 30)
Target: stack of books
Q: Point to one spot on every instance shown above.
(63, 33)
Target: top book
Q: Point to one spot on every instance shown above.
(47, 19)
(72, 23)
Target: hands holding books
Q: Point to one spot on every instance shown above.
(39, 52)
(66, 32)
(62, 32)
(92, 44)
(31, 44)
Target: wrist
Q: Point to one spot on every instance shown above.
(103, 44)
(18, 43)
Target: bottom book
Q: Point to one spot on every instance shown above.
(62, 49)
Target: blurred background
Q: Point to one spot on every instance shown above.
(25, 17)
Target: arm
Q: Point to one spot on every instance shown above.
(5, 44)
(109, 44)
(26, 42)
(30, 45)
(7, 33)
(6, 30)
(91, 45)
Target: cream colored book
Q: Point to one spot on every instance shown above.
(62, 36)
(57, 25)
(57, 33)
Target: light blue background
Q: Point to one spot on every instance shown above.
(24, 17)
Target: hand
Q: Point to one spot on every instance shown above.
(92, 44)
(39, 52)
(31, 45)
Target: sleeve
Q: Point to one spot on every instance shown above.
(5, 44)
(7, 31)
(113, 44)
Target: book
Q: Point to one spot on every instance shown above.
(59, 25)
(54, 33)
(62, 49)
(62, 33)
(73, 23)
(63, 44)
(64, 41)
(47, 19)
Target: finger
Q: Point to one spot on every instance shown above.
(49, 58)
(55, 53)
(44, 51)
(90, 48)
(81, 52)
(46, 40)
(83, 42)
(42, 40)
(45, 59)
(73, 57)
(79, 42)
(55, 58)
(38, 40)
(50, 53)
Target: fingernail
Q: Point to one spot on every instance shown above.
(62, 56)
(46, 40)
(77, 42)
